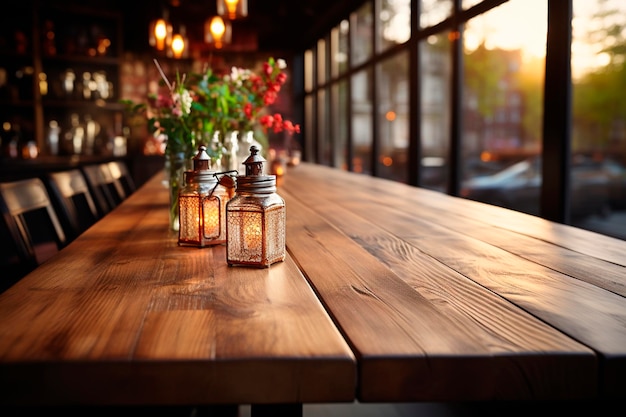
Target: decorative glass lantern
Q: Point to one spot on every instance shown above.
(255, 218)
(202, 205)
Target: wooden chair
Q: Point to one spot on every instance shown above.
(12, 263)
(33, 231)
(73, 201)
(106, 191)
(120, 172)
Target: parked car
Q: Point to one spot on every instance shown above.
(616, 173)
(518, 187)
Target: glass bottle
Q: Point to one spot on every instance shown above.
(255, 218)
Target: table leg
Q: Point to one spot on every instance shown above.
(226, 410)
(276, 410)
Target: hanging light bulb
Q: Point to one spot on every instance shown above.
(180, 44)
(160, 33)
(217, 31)
(232, 9)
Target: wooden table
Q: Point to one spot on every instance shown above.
(124, 316)
(446, 299)
(389, 293)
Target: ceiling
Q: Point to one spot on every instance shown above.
(285, 25)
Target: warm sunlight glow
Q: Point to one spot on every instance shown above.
(512, 25)
(522, 25)
(586, 52)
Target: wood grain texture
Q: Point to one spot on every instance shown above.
(124, 315)
(487, 276)
(439, 298)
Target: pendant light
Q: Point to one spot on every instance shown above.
(160, 35)
(232, 9)
(180, 44)
(217, 31)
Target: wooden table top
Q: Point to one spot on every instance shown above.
(446, 299)
(389, 293)
(124, 315)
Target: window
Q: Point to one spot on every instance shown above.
(395, 23)
(435, 75)
(392, 103)
(361, 28)
(598, 148)
(340, 125)
(434, 11)
(339, 49)
(362, 133)
(476, 102)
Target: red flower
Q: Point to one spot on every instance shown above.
(275, 87)
(164, 101)
(278, 124)
(290, 127)
(247, 109)
(267, 121)
(269, 98)
(252, 94)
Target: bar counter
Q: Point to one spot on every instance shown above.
(389, 293)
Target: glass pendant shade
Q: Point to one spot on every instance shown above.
(217, 31)
(160, 34)
(180, 44)
(202, 205)
(255, 218)
(232, 9)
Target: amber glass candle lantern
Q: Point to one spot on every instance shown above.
(255, 218)
(202, 205)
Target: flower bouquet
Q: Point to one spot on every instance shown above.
(215, 110)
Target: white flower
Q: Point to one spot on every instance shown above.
(238, 76)
(281, 63)
(185, 100)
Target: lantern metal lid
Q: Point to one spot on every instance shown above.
(254, 181)
(201, 172)
(201, 159)
(254, 162)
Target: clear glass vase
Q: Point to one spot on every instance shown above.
(245, 140)
(175, 166)
(231, 146)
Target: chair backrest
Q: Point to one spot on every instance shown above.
(112, 183)
(103, 187)
(31, 220)
(120, 172)
(12, 262)
(73, 201)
